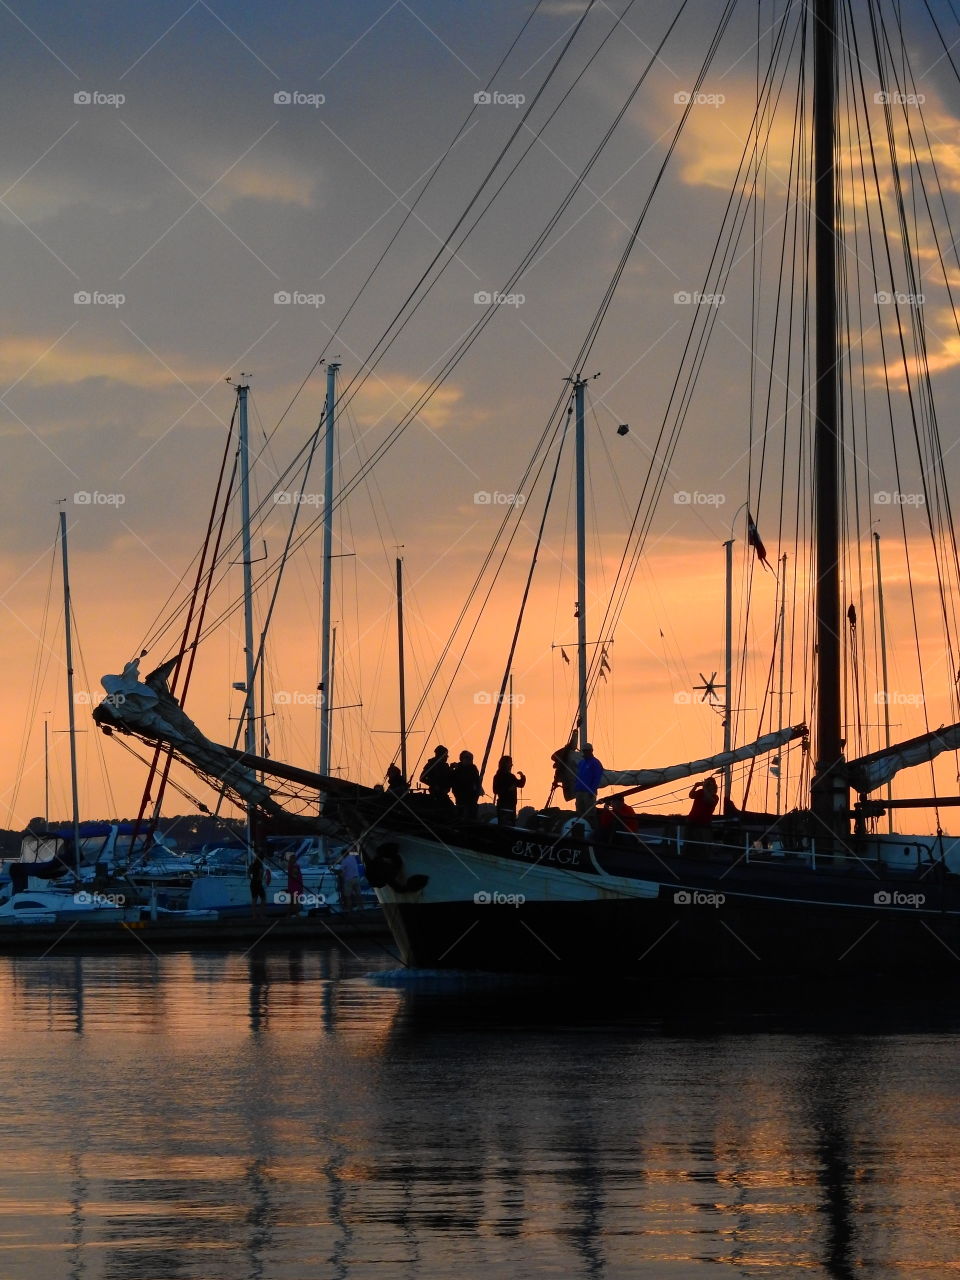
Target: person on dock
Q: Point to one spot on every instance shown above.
(397, 785)
(466, 786)
(349, 876)
(506, 784)
(258, 891)
(437, 774)
(294, 885)
(589, 773)
(698, 828)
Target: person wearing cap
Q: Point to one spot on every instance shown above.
(589, 773)
(437, 774)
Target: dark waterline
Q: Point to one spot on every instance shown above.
(317, 1113)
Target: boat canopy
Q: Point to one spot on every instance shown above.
(643, 779)
(872, 771)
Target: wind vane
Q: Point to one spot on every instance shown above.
(709, 687)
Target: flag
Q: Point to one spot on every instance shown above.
(604, 664)
(753, 537)
(563, 655)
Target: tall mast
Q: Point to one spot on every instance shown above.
(728, 664)
(71, 720)
(403, 674)
(783, 656)
(326, 681)
(578, 386)
(249, 706)
(829, 795)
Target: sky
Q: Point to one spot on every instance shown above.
(195, 192)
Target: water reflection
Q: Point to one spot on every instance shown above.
(281, 1114)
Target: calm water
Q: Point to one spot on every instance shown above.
(308, 1115)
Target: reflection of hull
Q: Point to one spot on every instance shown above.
(528, 902)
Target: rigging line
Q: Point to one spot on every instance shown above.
(410, 211)
(624, 576)
(36, 682)
(523, 604)
(463, 344)
(160, 751)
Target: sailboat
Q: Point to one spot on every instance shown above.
(819, 892)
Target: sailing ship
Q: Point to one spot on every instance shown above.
(817, 892)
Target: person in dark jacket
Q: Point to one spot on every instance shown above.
(506, 784)
(437, 774)
(397, 784)
(466, 786)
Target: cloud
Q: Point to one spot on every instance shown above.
(42, 361)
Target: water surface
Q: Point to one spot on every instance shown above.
(311, 1114)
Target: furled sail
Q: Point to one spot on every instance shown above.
(645, 778)
(869, 772)
(148, 709)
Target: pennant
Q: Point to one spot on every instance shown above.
(563, 655)
(753, 538)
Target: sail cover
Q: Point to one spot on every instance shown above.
(149, 709)
(869, 772)
(645, 778)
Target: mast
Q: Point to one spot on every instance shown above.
(783, 656)
(883, 666)
(578, 386)
(829, 796)
(403, 675)
(326, 674)
(728, 667)
(249, 707)
(68, 638)
(46, 771)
